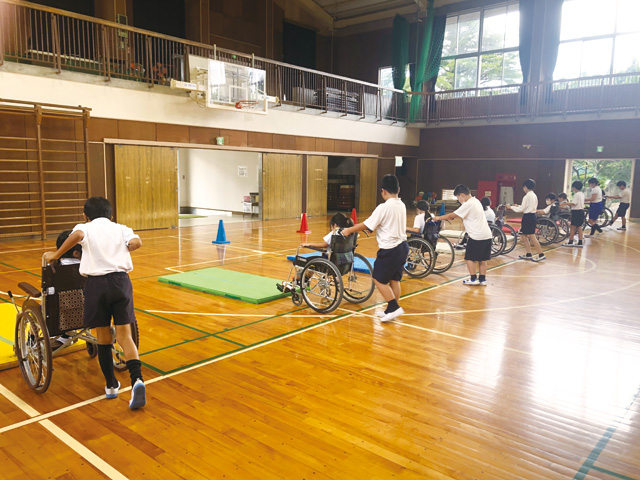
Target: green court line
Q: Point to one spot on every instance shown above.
(20, 269)
(258, 321)
(613, 474)
(172, 321)
(589, 462)
(7, 341)
(227, 340)
(173, 345)
(155, 369)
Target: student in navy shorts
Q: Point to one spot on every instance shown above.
(478, 251)
(108, 293)
(577, 215)
(389, 220)
(623, 206)
(528, 228)
(595, 206)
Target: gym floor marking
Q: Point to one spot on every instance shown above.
(587, 465)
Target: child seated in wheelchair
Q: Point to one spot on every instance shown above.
(337, 222)
(552, 210)
(71, 257)
(422, 217)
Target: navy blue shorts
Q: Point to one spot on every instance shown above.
(622, 209)
(577, 218)
(595, 209)
(528, 224)
(390, 263)
(478, 250)
(107, 296)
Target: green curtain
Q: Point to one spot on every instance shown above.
(399, 50)
(429, 60)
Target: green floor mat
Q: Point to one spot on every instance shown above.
(227, 283)
(183, 216)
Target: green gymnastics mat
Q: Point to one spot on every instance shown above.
(227, 283)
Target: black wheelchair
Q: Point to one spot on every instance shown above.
(429, 253)
(40, 325)
(322, 282)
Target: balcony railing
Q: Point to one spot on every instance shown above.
(61, 40)
(561, 99)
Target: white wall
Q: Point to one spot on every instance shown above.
(211, 178)
(135, 101)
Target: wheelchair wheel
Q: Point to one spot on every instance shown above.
(33, 347)
(119, 361)
(564, 229)
(358, 286)
(546, 231)
(609, 214)
(92, 349)
(321, 285)
(498, 241)
(511, 238)
(445, 255)
(421, 258)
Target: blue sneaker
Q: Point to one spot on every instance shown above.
(112, 392)
(138, 395)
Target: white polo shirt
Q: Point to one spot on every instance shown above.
(490, 215)
(475, 223)
(625, 196)
(105, 247)
(419, 222)
(597, 191)
(389, 220)
(529, 203)
(578, 199)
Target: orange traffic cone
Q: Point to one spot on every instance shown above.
(304, 228)
(353, 216)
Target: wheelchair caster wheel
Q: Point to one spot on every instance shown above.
(296, 298)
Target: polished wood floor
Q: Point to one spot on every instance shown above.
(535, 376)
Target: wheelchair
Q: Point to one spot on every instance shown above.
(39, 325)
(511, 237)
(322, 282)
(499, 240)
(443, 251)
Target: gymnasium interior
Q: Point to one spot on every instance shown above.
(226, 133)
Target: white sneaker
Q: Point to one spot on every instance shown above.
(526, 257)
(379, 312)
(392, 315)
(112, 392)
(468, 281)
(622, 229)
(138, 395)
(482, 283)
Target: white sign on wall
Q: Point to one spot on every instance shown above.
(243, 171)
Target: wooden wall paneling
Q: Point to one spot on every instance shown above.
(343, 146)
(259, 140)
(368, 184)
(284, 142)
(203, 135)
(325, 145)
(146, 186)
(97, 177)
(237, 138)
(101, 128)
(132, 130)
(386, 166)
(172, 133)
(306, 144)
(281, 186)
(317, 181)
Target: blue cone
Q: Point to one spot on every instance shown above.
(442, 209)
(222, 236)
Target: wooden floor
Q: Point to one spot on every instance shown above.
(535, 376)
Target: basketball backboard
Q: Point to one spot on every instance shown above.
(229, 83)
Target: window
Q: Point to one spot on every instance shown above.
(385, 78)
(481, 49)
(598, 40)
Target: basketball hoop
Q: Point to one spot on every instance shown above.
(249, 107)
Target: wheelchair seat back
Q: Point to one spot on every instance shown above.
(342, 252)
(63, 298)
(431, 232)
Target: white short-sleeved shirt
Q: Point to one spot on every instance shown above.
(389, 220)
(625, 196)
(529, 203)
(597, 191)
(327, 237)
(105, 247)
(578, 200)
(419, 222)
(490, 215)
(475, 223)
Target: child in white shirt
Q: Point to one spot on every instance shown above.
(489, 214)
(528, 228)
(577, 214)
(421, 218)
(625, 201)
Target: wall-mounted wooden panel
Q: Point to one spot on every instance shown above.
(317, 180)
(368, 184)
(101, 128)
(146, 186)
(172, 133)
(259, 140)
(203, 135)
(325, 145)
(343, 146)
(237, 138)
(284, 142)
(131, 130)
(307, 144)
(281, 186)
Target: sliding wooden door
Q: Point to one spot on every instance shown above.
(281, 186)
(368, 184)
(317, 179)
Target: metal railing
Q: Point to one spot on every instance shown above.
(558, 99)
(61, 40)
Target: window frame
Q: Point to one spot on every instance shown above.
(479, 53)
(613, 36)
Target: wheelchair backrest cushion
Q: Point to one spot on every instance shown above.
(62, 288)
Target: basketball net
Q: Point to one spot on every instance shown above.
(249, 108)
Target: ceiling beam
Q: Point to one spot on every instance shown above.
(318, 12)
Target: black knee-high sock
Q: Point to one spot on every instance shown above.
(593, 229)
(105, 358)
(392, 306)
(134, 370)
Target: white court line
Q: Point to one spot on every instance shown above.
(83, 451)
(213, 261)
(61, 435)
(207, 314)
